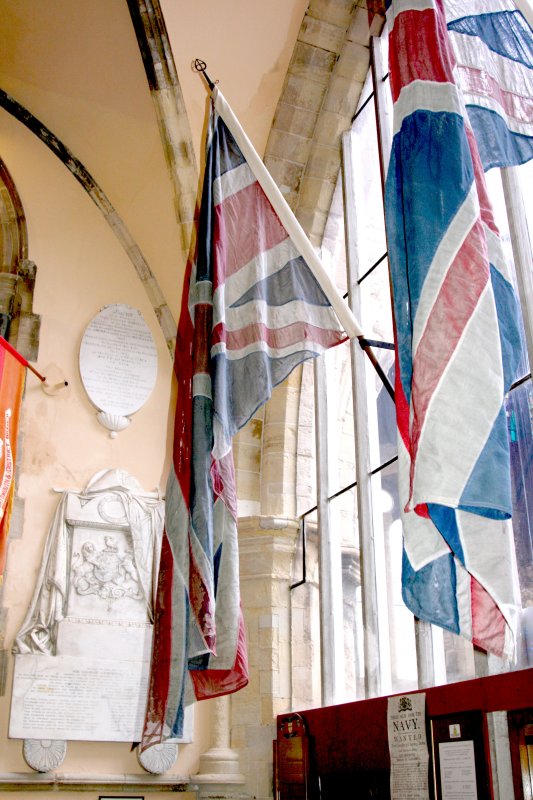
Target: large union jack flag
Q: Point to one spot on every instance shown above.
(458, 345)
(252, 311)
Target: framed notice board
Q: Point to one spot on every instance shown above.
(460, 756)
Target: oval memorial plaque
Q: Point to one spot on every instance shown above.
(118, 361)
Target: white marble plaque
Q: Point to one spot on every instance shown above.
(83, 651)
(118, 360)
(89, 699)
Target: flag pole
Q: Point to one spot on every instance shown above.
(15, 353)
(293, 227)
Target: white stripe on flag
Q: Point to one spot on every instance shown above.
(496, 253)
(227, 612)
(442, 466)
(457, 9)
(232, 182)
(488, 550)
(397, 8)
(262, 266)
(463, 596)
(258, 311)
(201, 385)
(422, 541)
(472, 53)
(200, 293)
(426, 95)
(272, 352)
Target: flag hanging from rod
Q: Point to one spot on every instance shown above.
(252, 311)
(12, 377)
(493, 48)
(458, 345)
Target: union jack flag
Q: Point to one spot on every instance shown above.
(252, 312)
(458, 345)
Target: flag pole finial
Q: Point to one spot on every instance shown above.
(200, 66)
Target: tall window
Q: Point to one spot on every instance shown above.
(391, 649)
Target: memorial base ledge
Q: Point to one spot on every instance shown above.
(18, 781)
(221, 791)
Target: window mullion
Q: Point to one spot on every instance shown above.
(521, 244)
(370, 604)
(330, 566)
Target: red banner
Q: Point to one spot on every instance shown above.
(12, 374)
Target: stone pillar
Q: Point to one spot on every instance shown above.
(219, 773)
(351, 581)
(266, 547)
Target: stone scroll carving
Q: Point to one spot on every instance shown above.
(82, 653)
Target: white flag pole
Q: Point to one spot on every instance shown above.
(284, 212)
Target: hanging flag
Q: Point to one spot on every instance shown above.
(493, 48)
(458, 345)
(12, 375)
(252, 312)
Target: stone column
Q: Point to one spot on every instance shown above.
(266, 552)
(219, 773)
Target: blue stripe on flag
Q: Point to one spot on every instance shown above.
(226, 150)
(504, 32)
(259, 374)
(508, 313)
(498, 146)
(430, 592)
(445, 520)
(201, 497)
(432, 150)
(488, 489)
(292, 282)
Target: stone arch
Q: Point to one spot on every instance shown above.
(18, 323)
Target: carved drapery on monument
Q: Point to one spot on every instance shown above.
(83, 650)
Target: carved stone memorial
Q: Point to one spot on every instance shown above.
(83, 651)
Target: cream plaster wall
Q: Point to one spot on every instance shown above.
(76, 66)
(246, 45)
(81, 267)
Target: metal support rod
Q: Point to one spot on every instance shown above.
(200, 66)
(377, 366)
(424, 654)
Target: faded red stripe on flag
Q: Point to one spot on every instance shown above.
(461, 290)
(277, 338)
(161, 649)
(238, 237)
(488, 622)
(480, 82)
(421, 34)
(202, 603)
(216, 682)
